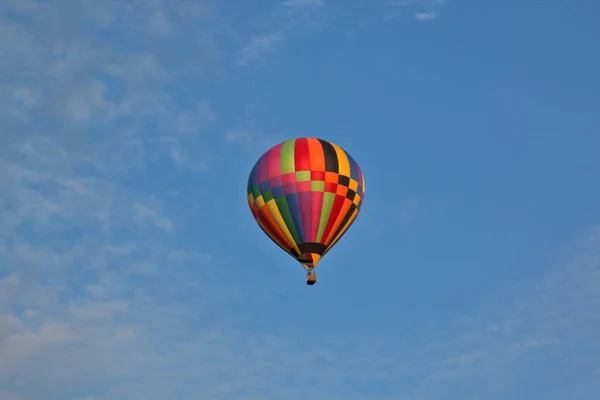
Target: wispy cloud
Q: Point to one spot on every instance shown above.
(422, 10)
(114, 338)
(547, 327)
(237, 136)
(259, 47)
(290, 16)
(425, 16)
(83, 110)
(144, 212)
(295, 18)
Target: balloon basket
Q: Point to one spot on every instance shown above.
(311, 278)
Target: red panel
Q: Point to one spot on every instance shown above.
(317, 205)
(303, 186)
(274, 161)
(317, 175)
(290, 177)
(305, 200)
(301, 155)
(331, 187)
(343, 212)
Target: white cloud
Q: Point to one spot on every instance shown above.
(143, 347)
(196, 119)
(425, 16)
(289, 17)
(293, 17)
(145, 212)
(79, 118)
(238, 136)
(88, 100)
(425, 10)
(253, 140)
(259, 47)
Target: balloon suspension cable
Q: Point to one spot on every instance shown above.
(311, 277)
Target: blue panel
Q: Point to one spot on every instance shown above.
(264, 186)
(254, 177)
(278, 191)
(294, 207)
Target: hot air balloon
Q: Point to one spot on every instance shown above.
(304, 194)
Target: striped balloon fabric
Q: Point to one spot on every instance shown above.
(305, 193)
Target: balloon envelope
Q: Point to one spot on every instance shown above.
(305, 193)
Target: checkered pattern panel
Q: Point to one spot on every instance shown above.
(305, 191)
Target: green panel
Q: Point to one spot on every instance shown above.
(256, 191)
(287, 157)
(303, 176)
(317, 186)
(284, 210)
(268, 195)
(328, 199)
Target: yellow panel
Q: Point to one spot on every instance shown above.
(260, 201)
(281, 223)
(343, 162)
(316, 258)
(353, 185)
(266, 230)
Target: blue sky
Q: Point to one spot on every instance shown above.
(130, 265)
